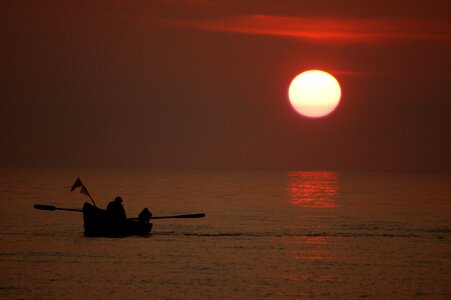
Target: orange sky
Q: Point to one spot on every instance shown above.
(204, 84)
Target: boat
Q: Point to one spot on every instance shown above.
(97, 223)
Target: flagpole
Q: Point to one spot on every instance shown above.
(92, 200)
(84, 190)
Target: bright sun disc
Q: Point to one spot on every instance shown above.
(314, 93)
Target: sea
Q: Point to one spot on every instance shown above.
(267, 234)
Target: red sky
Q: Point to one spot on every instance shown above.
(204, 84)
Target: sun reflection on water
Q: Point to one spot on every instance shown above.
(313, 248)
(312, 251)
(316, 190)
(313, 189)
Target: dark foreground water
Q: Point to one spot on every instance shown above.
(267, 234)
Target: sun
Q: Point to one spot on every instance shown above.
(314, 93)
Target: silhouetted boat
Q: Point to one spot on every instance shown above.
(97, 223)
(100, 223)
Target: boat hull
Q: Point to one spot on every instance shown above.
(97, 223)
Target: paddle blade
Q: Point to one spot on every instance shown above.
(44, 207)
(191, 216)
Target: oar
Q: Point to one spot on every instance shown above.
(189, 216)
(181, 216)
(51, 207)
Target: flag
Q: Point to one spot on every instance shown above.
(84, 191)
(77, 184)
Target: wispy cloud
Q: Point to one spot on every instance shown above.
(322, 29)
(357, 73)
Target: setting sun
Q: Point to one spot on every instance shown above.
(314, 93)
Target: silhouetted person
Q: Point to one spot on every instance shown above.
(145, 215)
(116, 211)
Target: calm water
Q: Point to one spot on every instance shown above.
(267, 234)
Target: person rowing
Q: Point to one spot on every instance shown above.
(115, 211)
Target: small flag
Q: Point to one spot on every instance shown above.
(77, 184)
(83, 189)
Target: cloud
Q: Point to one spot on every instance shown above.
(357, 73)
(324, 29)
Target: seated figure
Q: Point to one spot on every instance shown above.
(116, 211)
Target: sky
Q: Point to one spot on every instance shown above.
(204, 84)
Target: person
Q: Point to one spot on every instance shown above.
(145, 215)
(116, 211)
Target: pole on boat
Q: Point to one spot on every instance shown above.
(91, 198)
(51, 207)
(190, 216)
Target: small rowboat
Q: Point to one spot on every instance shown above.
(97, 223)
